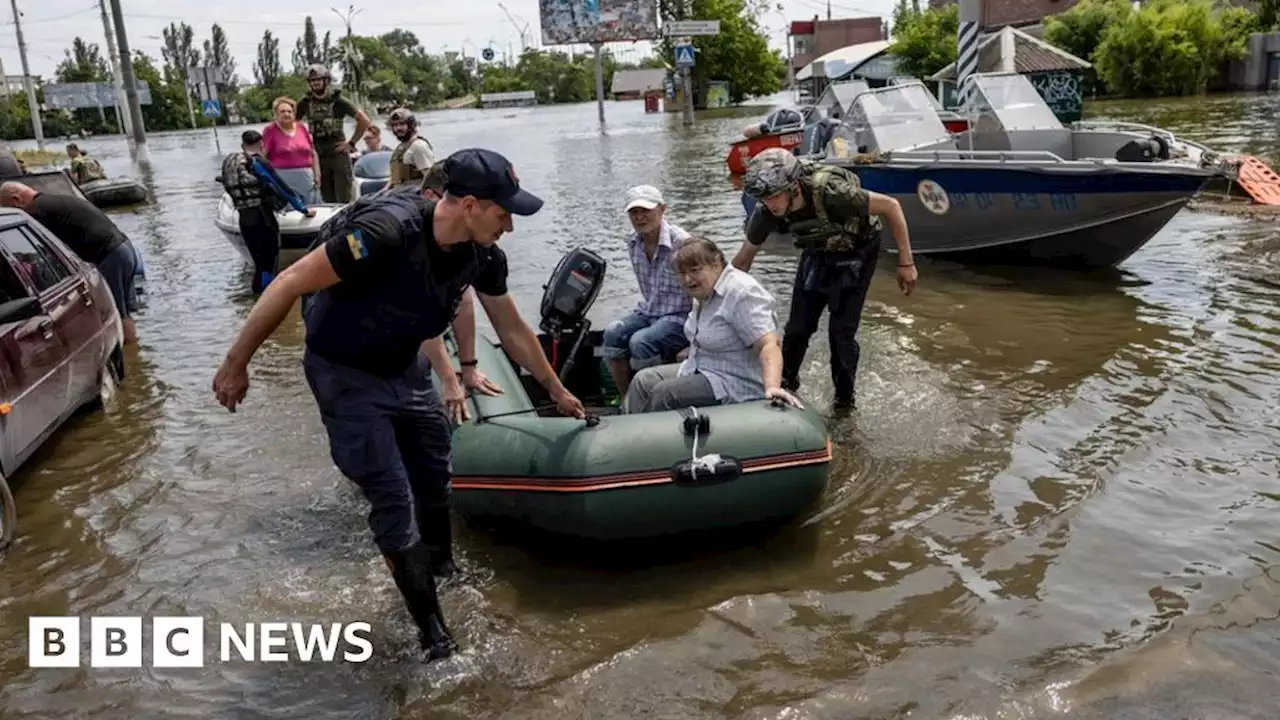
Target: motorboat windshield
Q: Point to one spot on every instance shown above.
(897, 117)
(373, 165)
(838, 97)
(1010, 102)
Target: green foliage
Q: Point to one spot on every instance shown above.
(1171, 47)
(740, 54)
(924, 41)
(1079, 30)
(554, 76)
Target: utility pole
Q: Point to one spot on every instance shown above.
(599, 81)
(122, 119)
(130, 80)
(36, 123)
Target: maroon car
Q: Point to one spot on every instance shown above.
(60, 343)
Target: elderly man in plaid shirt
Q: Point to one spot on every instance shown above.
(653, 333)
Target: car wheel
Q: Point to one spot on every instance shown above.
(8, 515)
(109, 376)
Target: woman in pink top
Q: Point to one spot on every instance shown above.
(288, 147)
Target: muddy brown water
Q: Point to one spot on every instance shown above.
(1058, 496)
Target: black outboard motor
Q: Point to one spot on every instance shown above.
(1148, 150)
(566, 298)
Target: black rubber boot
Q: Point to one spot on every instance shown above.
(843, 404)
(437, 535)
(411, 570)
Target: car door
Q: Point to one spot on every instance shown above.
(71, 303)
(34, 351)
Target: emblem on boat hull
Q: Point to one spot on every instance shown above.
(933, 197)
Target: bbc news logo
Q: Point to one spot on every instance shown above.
(179, 642)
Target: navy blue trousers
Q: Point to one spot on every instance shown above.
(391, 437)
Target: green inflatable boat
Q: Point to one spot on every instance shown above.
(614, 476)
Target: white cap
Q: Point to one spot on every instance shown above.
(643, 196)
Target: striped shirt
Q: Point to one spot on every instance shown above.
(662, 292)
(721, 331)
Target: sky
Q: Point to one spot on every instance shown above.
(48, 26)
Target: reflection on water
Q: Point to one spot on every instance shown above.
(1057, 494)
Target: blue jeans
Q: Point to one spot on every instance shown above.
(391, 437)
(646, 341)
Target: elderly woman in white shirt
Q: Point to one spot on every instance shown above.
(735, 354)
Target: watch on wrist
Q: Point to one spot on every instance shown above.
(469, 363)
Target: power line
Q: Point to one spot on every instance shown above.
(91, 8)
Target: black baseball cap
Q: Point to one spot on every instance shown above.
(486, 175)
(250, 137)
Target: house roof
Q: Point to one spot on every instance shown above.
(842, 61)
(1030, 55)
(629, 81)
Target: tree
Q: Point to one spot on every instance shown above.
(218, 55)
(168, 108)
(267, 69)
(1079, 30)
(179, 51)
(1171, 47)
(740, 54)
(307, 50)
(83, 63)
(924, 41)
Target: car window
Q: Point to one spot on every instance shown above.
(35, 259)
(11, 287)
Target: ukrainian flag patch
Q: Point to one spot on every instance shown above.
(356, 243)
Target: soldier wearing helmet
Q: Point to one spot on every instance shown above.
(837, 225)
(323, 109)
(413, 156)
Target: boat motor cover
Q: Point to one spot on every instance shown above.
(1146, 150)
(572, 289)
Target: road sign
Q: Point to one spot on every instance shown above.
(74, 96)
(211, 108)
(487, 54)
(691, 27)
(684, 56)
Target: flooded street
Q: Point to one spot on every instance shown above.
(1059, 493)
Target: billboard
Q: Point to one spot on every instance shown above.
(76, 96)
(568, 22)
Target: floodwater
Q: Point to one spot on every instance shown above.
(1058, 496)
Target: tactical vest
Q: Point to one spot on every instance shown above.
(86, 169)
(379, 328)
(239, 181)
(324, 121)
(823, 233)
(401, 171)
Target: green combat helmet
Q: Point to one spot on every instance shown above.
(770, 172)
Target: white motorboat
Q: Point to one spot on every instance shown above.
(297, 231)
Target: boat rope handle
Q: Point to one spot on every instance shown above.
(708, 462)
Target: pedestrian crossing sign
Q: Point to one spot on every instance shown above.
(684, 56)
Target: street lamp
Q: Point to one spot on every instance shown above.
(350, 55)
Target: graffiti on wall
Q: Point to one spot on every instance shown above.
(566, 22)
(1061, 91)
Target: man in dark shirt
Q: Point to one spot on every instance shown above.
(90, 234)
(379, 291)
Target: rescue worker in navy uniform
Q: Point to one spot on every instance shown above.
(323, 109)
(837, 226)
(258, 193)
(382, 287)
